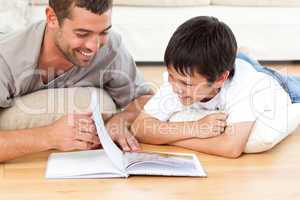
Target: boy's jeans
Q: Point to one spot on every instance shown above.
(291, 84)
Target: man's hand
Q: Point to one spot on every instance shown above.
(211, 125)
(118, 129)
(74, 132)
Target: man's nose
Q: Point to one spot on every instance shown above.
(103, 39)
(96, 42)
(92, 44)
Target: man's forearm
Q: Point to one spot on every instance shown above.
(231, 144)
(119, 125)
(17, 143)
(133, 109)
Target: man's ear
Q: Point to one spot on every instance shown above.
(52, 20)
(220, 81)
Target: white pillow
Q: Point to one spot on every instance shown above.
(45, 106)
(265, 134)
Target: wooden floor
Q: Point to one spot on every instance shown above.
(271, 175)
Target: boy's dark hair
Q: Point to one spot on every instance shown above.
(203, 45)
(62, 8)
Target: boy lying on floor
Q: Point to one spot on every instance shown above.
(205, 74)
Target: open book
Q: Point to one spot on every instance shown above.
(111, 162)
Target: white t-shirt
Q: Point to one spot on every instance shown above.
(247, 96)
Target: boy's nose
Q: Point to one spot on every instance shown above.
(177, 90)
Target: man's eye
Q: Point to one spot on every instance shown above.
(104, 34)
(81, 35)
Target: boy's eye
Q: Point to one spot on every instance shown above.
(188, 85)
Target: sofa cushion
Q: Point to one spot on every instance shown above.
(161, 2)
(39, 2)
(14, 15)
(256, 2)
(145, 2)
(43, 107)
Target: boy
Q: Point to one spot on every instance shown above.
(205, 74)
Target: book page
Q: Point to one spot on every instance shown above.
(81, 164)
(148, 163)
(110, 148)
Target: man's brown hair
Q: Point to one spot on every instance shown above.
(62, 8)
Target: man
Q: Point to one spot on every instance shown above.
(75, 47)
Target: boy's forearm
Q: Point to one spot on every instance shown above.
(231, 144)
(17, 143)
(152, 131)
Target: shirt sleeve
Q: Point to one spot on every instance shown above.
(126, 81)
(163, 104)
(5, 85)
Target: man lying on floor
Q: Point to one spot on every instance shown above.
(205, 74)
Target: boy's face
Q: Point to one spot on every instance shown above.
(191, 89)
(81, 35)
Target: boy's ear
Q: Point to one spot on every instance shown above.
(52, 19)
(220, 81)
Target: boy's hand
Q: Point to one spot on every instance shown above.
(118, 129)
(211, 125)
(73, 132)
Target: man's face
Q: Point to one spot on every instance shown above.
(81, 35)
(191, 89)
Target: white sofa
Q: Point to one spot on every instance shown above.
(270, 28)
